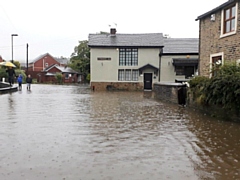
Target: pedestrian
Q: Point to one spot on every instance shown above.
(29, 82)
(19, 80)
(11, 75)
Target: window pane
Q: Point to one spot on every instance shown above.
(179, 70)
(122, 57)
(227, 14)
(121, 75)
(135, 75)
(233, 12)
(128, 74)
(128, 57)
(233, 25)
(228, 26)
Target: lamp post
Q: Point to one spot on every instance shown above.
(12, 45)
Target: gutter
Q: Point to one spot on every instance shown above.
(160, 61)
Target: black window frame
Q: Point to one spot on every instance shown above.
(128, 57)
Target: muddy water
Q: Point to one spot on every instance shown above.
(69, 132)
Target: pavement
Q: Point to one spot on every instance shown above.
(5, 88)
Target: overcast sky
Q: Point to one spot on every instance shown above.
(57, 26)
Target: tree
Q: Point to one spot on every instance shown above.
(17, 64)
(80, 59)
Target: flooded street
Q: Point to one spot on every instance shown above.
(71, 133)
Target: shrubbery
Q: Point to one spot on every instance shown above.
(4, 74)
(58, 77)
(223, 89)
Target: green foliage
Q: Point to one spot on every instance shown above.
(223, 89)
(3, 72)
(197, 85)
(80, 59)
(88, 77)
(18, 72)
(198, 81)
(17, 64)
(58, 77)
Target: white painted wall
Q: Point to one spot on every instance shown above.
(104, 70)
(107, 71)
(167, 69)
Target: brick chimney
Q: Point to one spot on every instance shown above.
(113, 31)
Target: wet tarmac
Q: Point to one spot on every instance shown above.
(71, 133)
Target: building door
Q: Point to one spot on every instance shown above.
(147, 81)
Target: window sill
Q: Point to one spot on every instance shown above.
(227, 34)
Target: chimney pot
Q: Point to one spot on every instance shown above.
(113, 31)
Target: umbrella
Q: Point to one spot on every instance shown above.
(8, 64)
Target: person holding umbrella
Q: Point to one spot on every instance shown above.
(11, 75)
(10, 71)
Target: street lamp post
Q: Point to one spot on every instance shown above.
(12, 45)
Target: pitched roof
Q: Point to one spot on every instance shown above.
(180, 45)
(66, 69)
(62, 60)
(61, 68)
(222, 6)
(126, 40)
(148, 66)
(40, 57)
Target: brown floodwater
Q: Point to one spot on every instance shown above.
(71, 133)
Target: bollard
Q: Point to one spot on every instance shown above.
(3, 79)
(93, 88)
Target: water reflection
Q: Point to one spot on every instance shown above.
(70, 132)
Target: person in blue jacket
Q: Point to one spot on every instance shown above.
(19, 80)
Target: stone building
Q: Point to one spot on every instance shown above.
(219, 36)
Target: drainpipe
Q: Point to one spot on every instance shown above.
(160, 61)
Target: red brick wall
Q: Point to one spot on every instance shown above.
(54, 70)
(211, 43)
(51, 79)
(39, 65)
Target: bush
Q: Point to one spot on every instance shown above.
(58, 77)
(88, 78)
(3, 73)
(197, 87)
(223, 89)
(198, 81)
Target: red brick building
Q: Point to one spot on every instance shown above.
(68, 75)
(42, 62)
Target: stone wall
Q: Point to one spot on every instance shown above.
(123, 86)
(212, 43)
(171, 92)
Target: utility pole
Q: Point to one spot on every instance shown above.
(27, 59)
(12, 44)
